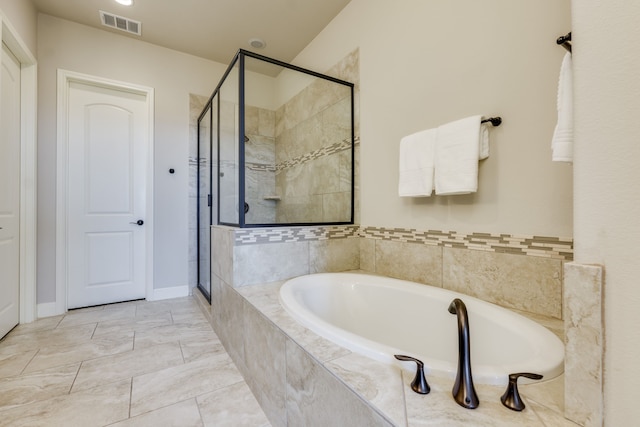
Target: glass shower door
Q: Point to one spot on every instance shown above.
(229, 150)
(205, 197)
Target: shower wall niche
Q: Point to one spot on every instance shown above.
(284, 144)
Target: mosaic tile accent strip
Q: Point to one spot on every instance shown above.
(193, 161)
(252, 236)
(541, 246)
(263, 167)
(260, 167)
(345, 144)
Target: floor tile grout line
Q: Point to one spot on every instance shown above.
(130, 397)
(16, 331)
(80, 361)
(184, 360)
(194, 398)
(158, 371)
(75, 378)
(59, 321)
(199, 409)
(29, 362)
(63, 395)
(94, 330)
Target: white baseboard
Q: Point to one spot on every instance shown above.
(172, 292)
(47, 309)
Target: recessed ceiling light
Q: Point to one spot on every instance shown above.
(257, 43)
(125, 2)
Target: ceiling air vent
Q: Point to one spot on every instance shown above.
(121, 23)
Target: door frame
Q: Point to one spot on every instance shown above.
(65, 78)
(28, 167)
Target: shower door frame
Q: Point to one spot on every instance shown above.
(207, 110)
(239, 59)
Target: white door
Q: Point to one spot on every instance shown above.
(9, 191)
(108, 143)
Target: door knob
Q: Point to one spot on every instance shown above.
(138, 222)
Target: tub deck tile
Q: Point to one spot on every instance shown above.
(372, 382)
(378, 383)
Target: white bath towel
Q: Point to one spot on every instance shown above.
(562, 142)
(416, 163)
(460, 145)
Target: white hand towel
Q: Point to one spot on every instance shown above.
(484, 141)
(562, 142)
(459, 146)
(416, 164)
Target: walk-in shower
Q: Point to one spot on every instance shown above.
(275, 148)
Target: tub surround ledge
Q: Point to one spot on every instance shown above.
(584, 341)
(507, 270)
(312, 381)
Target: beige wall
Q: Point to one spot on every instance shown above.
(23, 17)
(424, 63)
(607, 202)
(66, 45)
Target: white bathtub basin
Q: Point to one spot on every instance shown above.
(380, 316)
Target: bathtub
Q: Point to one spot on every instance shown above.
(380, 316)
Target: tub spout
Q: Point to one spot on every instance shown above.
(463, 391)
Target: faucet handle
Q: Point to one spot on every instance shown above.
(419, 383)
(511, 397)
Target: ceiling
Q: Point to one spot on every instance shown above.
(211, 29)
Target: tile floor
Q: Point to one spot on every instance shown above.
(137, 363)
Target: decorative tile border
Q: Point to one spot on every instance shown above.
(260, 167)
(548, 247)
(539, 246)
(264, 167)
(345, 144)
(230, 164)
(252, 236)
(193, 161)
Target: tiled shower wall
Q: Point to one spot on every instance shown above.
(260, 170)
(313, 155)
(300, 155)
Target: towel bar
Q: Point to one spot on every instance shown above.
(565, 41)
(495, 121)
